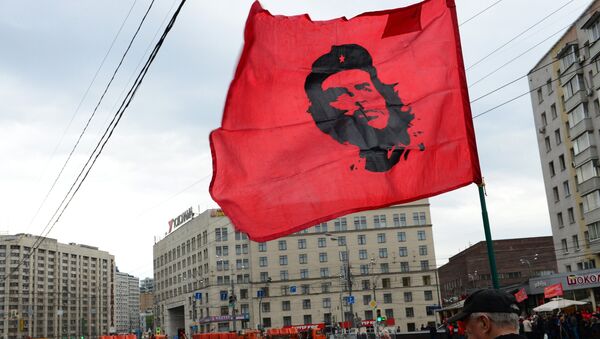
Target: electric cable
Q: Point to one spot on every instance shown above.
(479, 13)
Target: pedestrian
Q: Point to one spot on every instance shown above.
(432, 331)
(490, 314)
(527, 328)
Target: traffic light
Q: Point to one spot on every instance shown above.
(231, 300)
(379, 317)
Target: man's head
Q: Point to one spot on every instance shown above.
(488, 314)
(351, 104)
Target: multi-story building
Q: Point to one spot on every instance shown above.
(517, 260)
(383, 259)
(127, 302)
(54, 290)
(564, 93)
(147, 285)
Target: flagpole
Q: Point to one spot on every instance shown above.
(488, 237)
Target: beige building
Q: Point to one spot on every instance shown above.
(299, 279)
(564, 94)
(54, 291)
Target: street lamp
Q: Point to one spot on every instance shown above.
(348, 273)
(528, 260)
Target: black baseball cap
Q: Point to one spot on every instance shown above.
(487, 301)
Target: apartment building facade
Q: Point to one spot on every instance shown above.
(386, 256)
(54, 290)
(127, 301)
(564, 94)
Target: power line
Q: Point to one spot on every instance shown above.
(95, 109)
(479, 13)
(77, 111)
(518, 35)
(106, 136)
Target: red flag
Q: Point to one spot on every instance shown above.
(326, 118)
(555, 290)
(521, 295)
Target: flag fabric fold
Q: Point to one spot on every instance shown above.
(326, 118)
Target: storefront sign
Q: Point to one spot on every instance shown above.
(586, 279)
(181, 219)
(222, 318)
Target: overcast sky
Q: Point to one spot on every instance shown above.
(157, 163)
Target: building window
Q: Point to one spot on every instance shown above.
(571, 215)
(360, 222)
(307, 319)
(576, 242)
(544, 120)
(591, 201)
(419, 218)
(387, 298)
(581, 143)
(424, 265)
(557, 137)
(266, 307)
(323, 257)
(594, 231)
(322, 242)
(322, 227)
(304, 273)
(569, 56)
(343, 256)
(324, 272)
(406, 281)
(287, 320)
(566, 188)
(551, 168)
(264, 276)
(547, 142)
(341, 240)
(383, 253)
(578, 114)
(565, 247)
(366, 299)
(555, 193)
(389, 313)
(326, 287)
(379, 221)
(408, 297)
(306, 304)
(404, 266)
(423, 250)
(282, 245)
(284, 275)
(384, 267)
(421, 235)
(586, 171)
(559, 218)
(402, 251)
(326, 302)
(262, 262)
(363, 255)
(301, 244)
(561, 162)
(380, 238)
(362, 239)
(594, 31)
(410, 312)
(262, 246)
(540, 95)
(399, 220)
(401, 236)
(303, 258)
(340, 224)
(428, 295)
(283, 260)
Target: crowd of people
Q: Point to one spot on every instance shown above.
(576, 325)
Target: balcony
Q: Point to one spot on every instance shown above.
(583, 126)
(592, 216)
(589, 185)
(577, 98)
(586, 155)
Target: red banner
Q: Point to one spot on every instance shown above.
(327, 118)
(521, 295)
(307, 327)
(555, 290)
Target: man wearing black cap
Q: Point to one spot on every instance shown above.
(490, 314)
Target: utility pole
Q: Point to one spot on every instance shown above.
(348, 273)
(232, 300)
